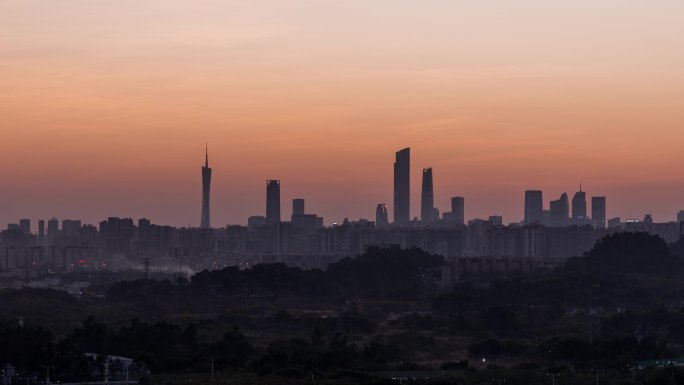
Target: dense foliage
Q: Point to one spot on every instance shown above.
(631, 253)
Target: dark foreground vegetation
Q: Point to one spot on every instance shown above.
(369, 319)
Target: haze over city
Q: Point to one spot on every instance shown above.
(106, 106)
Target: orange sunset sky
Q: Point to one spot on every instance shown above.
(105, 106)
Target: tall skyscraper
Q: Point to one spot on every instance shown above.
(560, 211)
(25, 226)
(402, 187)
(297, 206)
(680, 216)
(205, 222)
(41, 231)
(579, 205)
(458, 209)
(381, 219)
(52, 230)
(598, 212)
(272, 201)
(427, 202)
(534, 207)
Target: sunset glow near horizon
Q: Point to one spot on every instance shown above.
(105, 106)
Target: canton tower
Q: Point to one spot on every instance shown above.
(205, 223)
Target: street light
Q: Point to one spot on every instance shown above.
(47, 377)
(597, 375)
(633, 373)
(127, 364)
(553, 377)
(212, 368)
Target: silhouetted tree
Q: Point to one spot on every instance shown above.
(629, 253)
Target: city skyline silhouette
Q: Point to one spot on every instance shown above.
(417, 209)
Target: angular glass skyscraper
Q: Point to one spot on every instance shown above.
(205, 221)
(402, 187)
(534, 207)
(579, 205)
(272, 201)
(427, 201)
(560, 211)
(381, 215)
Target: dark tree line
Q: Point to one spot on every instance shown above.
(379, 273)
(631, 253)
(616, 304)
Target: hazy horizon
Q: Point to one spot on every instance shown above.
(106, 106)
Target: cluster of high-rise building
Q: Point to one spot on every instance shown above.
(559, 213)
(563, 230)
(302, 241)
(402, 196)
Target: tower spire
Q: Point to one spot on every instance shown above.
(206, 187)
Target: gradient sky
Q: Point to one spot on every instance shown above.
(105, 106)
